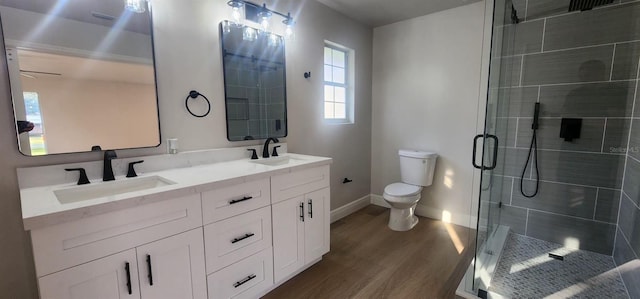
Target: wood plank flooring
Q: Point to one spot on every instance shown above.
(368, 260)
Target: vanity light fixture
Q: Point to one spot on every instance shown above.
(260, 14)
(289, 22)
(264, 15)
(137, 6)
(236, 10)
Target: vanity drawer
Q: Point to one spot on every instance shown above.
(231, 240)
(296, 183)
(234, 200)
(72, 243)
(249, 278)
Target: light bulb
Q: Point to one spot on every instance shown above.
(235, 14)
(137, 6)
(289, 31)
(288, 34)
(265, 24)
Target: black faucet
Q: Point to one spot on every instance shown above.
(265, 150)
(107, 173)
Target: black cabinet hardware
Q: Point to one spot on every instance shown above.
(236, 240)
(83, 179)
(240, 200)
(126, 270)
(149, 268)
(131, 173)
(244, 280)
(302, 211)
(310, 208)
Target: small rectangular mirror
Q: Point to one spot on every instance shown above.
(254, 82)
(82, 74)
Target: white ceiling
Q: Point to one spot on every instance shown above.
(33, 64)
(81, 10)
(377, 13)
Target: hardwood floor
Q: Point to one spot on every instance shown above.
(368, 260)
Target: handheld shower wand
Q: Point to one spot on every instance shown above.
(533, 149)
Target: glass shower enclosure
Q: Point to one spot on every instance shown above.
(560, 184)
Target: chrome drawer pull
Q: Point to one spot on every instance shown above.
(240, 200)
(236, 240)
(243, 281)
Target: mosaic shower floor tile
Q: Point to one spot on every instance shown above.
(525, 270)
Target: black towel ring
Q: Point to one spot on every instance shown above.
(194, 94)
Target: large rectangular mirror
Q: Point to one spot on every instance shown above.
(254, 82)
(82, 74)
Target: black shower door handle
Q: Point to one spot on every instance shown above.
(494, 161)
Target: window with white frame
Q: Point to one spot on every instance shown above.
(338, 106)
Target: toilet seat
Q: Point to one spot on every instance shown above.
(401, 192)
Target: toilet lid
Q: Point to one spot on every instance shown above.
(401, 189)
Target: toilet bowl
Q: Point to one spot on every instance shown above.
(416, 168)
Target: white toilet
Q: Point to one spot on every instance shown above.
(416, 171)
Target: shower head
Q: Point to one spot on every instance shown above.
(583, 5)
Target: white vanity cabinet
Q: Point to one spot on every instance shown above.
(300, 222)
(239, 238)
(86, 258)
(168, 268)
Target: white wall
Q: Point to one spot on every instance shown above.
(80, 114)
(188, 57)
(426, 80)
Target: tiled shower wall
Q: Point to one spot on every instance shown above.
(577, 65)
(255, 100)
(627, 246)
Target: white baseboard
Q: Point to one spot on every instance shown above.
(429, 212)
(350, 208)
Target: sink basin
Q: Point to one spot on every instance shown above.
(273, 161)
(87, 192)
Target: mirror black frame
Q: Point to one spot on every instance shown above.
(155, 78)
(226, 96)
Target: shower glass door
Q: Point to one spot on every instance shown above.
(564, 86)
(490, 235)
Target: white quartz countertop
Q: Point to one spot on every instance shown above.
(41, 207)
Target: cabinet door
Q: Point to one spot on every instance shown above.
(316, 226)
(105, 278)
(288, 237)
(173, 267)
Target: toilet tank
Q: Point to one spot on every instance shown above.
(417, 167)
